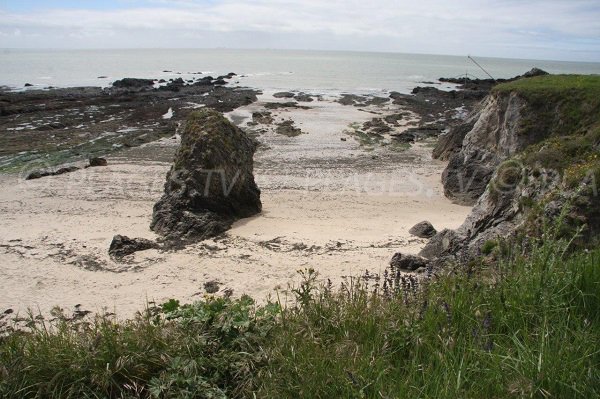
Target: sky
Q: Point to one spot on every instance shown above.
(539, 29)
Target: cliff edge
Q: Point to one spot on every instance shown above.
(530, 152)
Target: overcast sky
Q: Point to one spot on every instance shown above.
(539, 29)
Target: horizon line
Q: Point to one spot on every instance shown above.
(286, 50)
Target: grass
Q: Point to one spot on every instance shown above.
(524, 322)
(562, 115)
(522, 328)
(561, 121)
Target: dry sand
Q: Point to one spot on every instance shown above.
(328, 204)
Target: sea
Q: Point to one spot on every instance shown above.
(318, 72)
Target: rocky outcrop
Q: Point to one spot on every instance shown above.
(211, 183)
(498, 213)
(532, 153)
(489, 136)
(450, 143)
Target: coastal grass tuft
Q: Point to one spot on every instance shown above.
(526, 324)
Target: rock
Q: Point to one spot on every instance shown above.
(211, 287)
(284, 94)
(351, 99)
(393, 119)
(122, 246)
(288, 129)
(444, 242)
(28, 85)
(450, 143)
(377, 126)
(408, 263)
(219, 82)
(211, 183)
(97, 161)
(36, 174)
(535, 72)
(264, 118)
(102, 77)
(133, 83)
(287, 104)
(498, 130)
(205, 81)
(404, 137)
(228, 76)
(423, 230)
(304, 98)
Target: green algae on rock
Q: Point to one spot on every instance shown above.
(211, 183)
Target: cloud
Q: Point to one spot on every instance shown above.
(533, 29)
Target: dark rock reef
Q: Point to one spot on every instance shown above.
(211, 182)
(65, 125)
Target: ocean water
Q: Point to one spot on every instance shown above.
(313, 71)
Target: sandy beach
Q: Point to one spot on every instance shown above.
(329, 203)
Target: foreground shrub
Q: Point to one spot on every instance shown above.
(206, 350)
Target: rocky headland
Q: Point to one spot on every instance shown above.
(528, 154)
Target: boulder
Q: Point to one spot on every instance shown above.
(97, 161)
(122, 246)
(408, 263)
(211, 183)
(423, 230)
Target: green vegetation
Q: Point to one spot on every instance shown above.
(568, 108)
(561, 120)
(489, 246)
(369, 141)
(515, 326)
